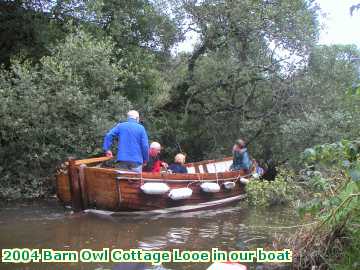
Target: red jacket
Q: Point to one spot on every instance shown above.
(154, 163)
(157, 166)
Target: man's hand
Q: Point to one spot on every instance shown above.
(109, 154)
(164, 164)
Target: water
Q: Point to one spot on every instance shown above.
(48, 225)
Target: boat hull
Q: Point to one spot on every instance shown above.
(85, 187)
(171, 210)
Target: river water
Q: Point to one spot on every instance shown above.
(47, 224)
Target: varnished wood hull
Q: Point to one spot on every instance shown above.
(86, 187)
(177, 209)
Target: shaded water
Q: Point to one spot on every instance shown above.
(48, 225)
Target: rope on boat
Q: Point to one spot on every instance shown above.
(193, 182)
(178, 180)
(216, 173)
(198, 176)
(238, 178)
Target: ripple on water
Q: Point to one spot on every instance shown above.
(153, 243)
(211, 231)
(179, 235)
(45, 225)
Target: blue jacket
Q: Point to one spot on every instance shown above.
(133, 145)
(241, 160)
(177, 168)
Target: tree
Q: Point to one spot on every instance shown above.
(237, 81)
(59, 108)
(25, 32)
(322, 108)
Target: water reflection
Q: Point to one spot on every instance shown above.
(46, 225)
(179, 235)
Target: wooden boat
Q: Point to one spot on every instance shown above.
(84, 184)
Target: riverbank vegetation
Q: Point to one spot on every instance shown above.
(335, 239)
(282, 190)
(327, 192)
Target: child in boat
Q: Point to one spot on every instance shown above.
(178, 166)
(154, 164)
(241, 159)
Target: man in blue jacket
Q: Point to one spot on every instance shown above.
(133, 145)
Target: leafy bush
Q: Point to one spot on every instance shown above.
(59, 108)
(343, 158)
(335, 206)
(339, 154)
(266, 193)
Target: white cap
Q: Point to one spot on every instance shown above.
(133, 114)
(155, 145)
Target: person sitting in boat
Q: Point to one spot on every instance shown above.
(133, 144)
(241, 159)
(178, 166)
(259, 171)
(154, 164)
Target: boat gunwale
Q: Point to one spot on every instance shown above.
(208, 161)
(172, 177)
(190, 164)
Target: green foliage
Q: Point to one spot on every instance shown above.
(235, 84)
(317, 183)
(321, 110)
(336, 204)
(267, 193)
(65, 87)
(25, 32)
(341, 154)
(342, 158)
(59, 108)
(143, 34)
(350, 258)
